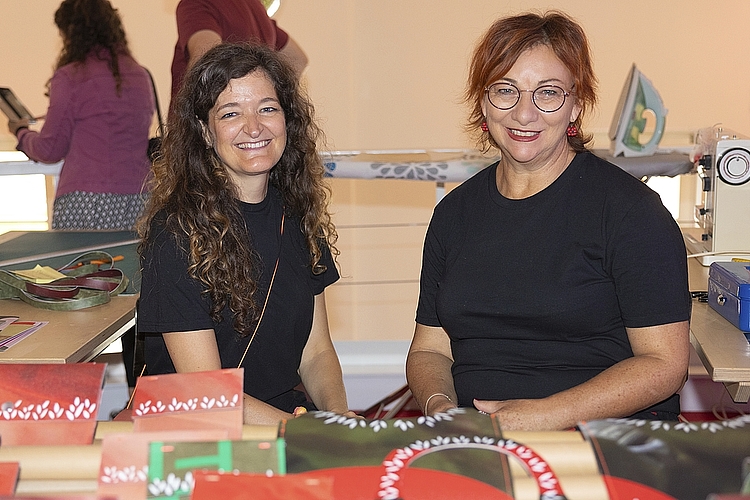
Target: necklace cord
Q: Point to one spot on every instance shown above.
(268, 294)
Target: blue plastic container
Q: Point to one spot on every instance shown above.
(729, 292)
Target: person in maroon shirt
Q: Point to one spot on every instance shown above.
(100, 111)
(202, 24)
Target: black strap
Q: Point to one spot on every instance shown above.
(156, 101)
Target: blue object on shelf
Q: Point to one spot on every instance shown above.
(729, 292)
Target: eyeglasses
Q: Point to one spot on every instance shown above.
(547, 98)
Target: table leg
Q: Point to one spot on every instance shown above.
(740, 391)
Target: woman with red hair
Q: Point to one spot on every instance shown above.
(554, 284)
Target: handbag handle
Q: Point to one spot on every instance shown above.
(397, 462)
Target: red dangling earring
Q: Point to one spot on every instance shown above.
(485, 128)
(572, 130)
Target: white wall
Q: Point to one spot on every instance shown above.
(389, 74)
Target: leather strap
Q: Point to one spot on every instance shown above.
(67, 288)
(156, 102)
(83, 287)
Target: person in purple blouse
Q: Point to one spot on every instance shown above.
(101, 106)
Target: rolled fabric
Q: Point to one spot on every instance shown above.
(565, 459)
(578, 487)
(55, 462)
(56, 487)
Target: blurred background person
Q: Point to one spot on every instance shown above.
(101, 106)
(554, 284)
(201, 24)
(238, 244)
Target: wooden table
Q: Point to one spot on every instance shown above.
(24, 249)
(723, 349)
(71, 336)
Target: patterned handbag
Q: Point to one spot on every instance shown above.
(457, 454)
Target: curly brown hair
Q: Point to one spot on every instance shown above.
(191, 185)
(508, 38)
(87, 25)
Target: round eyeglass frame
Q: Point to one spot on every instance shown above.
(533, 96)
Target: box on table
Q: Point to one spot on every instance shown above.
(729, 292)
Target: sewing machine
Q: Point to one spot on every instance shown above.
(722, 157)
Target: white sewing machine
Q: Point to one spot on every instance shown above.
(722, 157)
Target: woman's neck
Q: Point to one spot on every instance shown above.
(519, 181)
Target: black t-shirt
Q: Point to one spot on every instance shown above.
(171, 301)
(535, 294)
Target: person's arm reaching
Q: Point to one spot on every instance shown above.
(202, 41)
(199, 43)
(295, 56)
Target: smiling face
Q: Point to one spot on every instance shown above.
(247, 129)
(527, 136)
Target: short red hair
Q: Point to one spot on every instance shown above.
(508, 38)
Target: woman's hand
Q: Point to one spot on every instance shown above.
(15, 125)
(438, 403)
(520, 414)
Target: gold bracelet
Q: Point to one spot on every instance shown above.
(300, 410)
(426, 403)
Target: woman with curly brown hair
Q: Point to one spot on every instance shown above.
(237, 240)
(100, 110)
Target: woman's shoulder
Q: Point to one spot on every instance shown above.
(597, 164)
(608, 176)
(469, 190)
(67, 71)
(608, 188)
(161, 229)
(98, 61)
(128, 63)
(81, 71)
